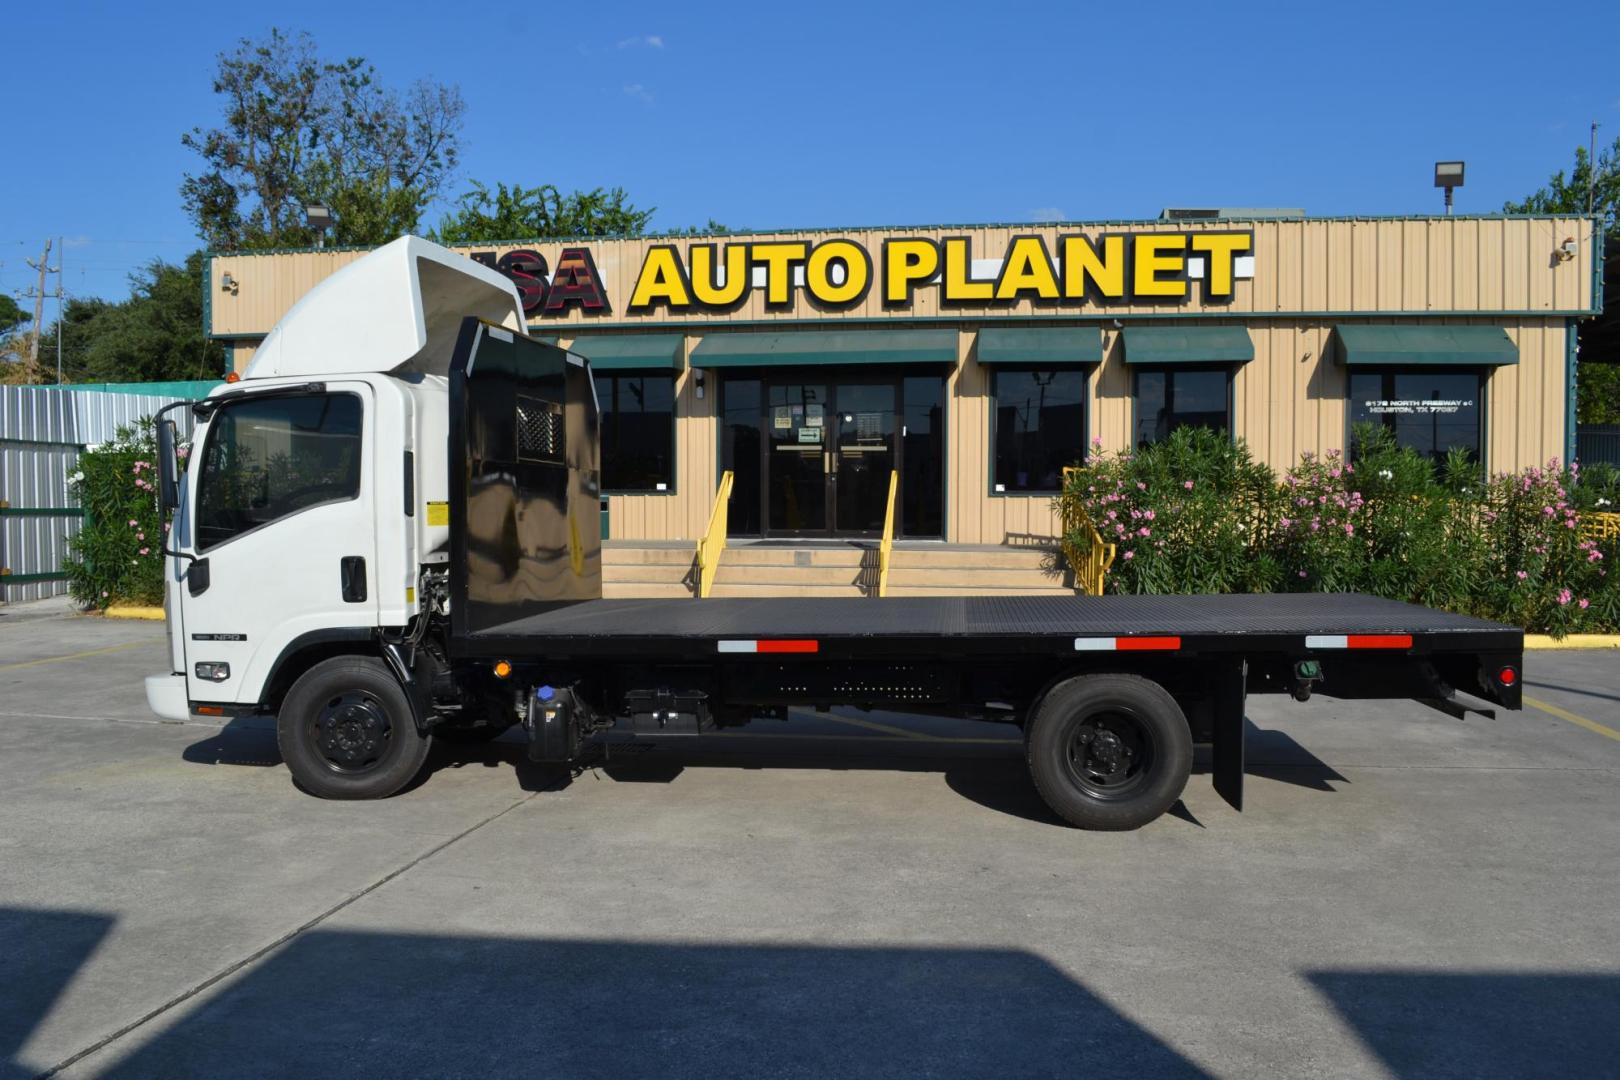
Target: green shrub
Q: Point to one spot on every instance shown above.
(116, 558)
(1196, 514)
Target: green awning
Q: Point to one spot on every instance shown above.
(815, 347)
(1188, 345)
(626, 352)
(1044, 346)
(1406, 345)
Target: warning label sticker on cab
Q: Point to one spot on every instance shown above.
(438, 513)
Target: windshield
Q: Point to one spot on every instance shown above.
(273, 457)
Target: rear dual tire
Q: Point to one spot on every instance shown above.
(347, 731)
(1109, 752)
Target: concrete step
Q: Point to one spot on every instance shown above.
(944, 590)
(781, 590)
(644, 590)
(979, 577)
(788, 577)
(975, 557)
(760, 555)
(648, 556)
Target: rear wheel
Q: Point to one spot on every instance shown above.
(1109, 751)
(346, 730)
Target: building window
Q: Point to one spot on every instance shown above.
(638, 431)
(1176, 397)
(1040, 427)
(1431, 411)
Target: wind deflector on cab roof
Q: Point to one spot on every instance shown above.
(525, 499)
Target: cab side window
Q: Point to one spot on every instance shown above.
(274, 457)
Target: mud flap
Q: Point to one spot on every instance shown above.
(1230, 692)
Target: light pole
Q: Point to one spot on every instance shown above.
(1448, 175)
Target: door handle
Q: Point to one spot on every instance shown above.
(352, 574)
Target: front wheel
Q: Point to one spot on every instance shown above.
(1109, 751)
(346, 730)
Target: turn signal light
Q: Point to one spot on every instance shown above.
(1507, 676)
(503, 668)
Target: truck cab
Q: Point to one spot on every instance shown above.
(310, 514)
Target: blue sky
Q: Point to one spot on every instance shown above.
(769, 115)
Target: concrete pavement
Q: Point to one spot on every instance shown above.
(1406, 894)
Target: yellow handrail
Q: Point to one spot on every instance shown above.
(1090, 565)
(713, 540)
(1600, 525)
(886, 548)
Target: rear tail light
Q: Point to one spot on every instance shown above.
(1507, 676)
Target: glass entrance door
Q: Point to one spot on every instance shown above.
(863, 456)
(830, 448)
(797, 468)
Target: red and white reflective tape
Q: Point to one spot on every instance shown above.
(778, 645)
(1358, 641)
(1127, 644)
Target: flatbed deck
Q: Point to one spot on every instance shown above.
(1294, 623)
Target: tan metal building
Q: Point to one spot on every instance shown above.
(975, 361)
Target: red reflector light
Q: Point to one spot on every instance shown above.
(1507, 676)
(233, 377)
(1379, 641)
(789, 646)
(1131, 644)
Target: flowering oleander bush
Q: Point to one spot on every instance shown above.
(1196, 514)
(117, 556)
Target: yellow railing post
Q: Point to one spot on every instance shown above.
(713, 540)
(886, 548)
(1091, 566)
(1600, 525)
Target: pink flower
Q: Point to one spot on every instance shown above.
(1148, 514)
(1302, 573)
(1520, 574)
(133, 523)
(1129, 555)
(1188, 485)
(1564, 597)
(1097, 442)
(1119, 530)
(1144, 531)
(146, 551)
(103, 592)
(140, 536)
(1585, 603)
(1286, 522)
(1141, 486)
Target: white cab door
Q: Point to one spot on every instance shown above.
(282, 522)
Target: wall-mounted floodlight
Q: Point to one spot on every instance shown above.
(1448, 175)
(229, 284)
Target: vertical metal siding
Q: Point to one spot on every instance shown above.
(42, 431)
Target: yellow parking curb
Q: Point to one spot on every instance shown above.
(121, 611)
(1573, 641)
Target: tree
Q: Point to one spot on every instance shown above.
(298, 129)
(11, 315)
(1598, 378)
(539, 213)
(155, 335)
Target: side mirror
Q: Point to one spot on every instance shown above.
(168, 467)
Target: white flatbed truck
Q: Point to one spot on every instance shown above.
(387, 533)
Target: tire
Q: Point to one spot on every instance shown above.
(1109, 752)
(346, 731)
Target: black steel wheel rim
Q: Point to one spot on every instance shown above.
(1110, 754)
(352, 732)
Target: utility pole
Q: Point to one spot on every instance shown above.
(61, 303)
(44, 267)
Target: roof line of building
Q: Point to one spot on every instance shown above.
(1100, 223)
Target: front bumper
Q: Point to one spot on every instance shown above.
(166, 696)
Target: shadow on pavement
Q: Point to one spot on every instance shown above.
(40, 952)
(1561, 688)
(344, 1003)
(1277, 755)
(1482, 1024)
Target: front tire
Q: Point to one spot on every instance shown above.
(347, 731)
(1109, 751)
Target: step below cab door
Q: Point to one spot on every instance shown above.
(282, 523)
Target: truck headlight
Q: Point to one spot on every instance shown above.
(214, 672)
